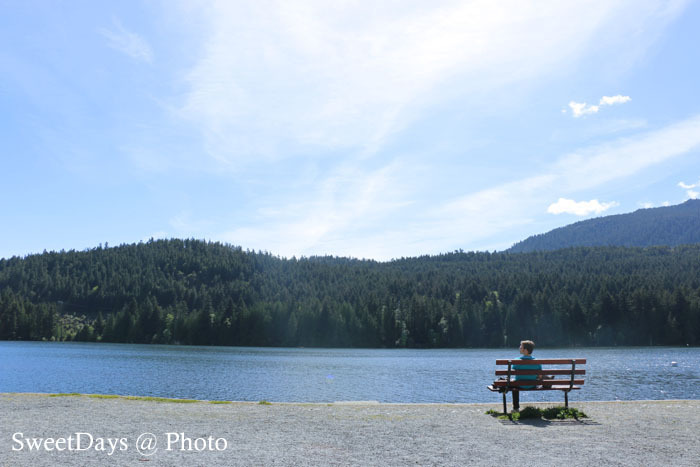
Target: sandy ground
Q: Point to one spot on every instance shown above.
(363, 434)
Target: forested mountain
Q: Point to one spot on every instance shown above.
(194, 292)
(670, 226)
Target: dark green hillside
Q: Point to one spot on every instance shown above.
(670, 226)
(194, 292)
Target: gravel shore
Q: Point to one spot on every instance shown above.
(87, 430)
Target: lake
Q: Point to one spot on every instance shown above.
(327, 375)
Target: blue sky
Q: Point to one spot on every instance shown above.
(352, 128)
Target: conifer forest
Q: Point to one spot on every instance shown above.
(203, 293)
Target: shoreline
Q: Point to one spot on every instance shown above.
(340, 402)
(341, 433)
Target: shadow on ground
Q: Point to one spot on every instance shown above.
(542, 423)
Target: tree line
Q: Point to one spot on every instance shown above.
(205, 293)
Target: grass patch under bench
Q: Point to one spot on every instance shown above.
(534, 413)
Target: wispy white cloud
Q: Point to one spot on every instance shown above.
(374, 213)
(594, 166)
(612, 100)
(279, 79)
(689, 189)
(579, 208)
(480, 215)
(652, 205)
(128, 42)
(337, 216)
(579, 109)
(598, 129)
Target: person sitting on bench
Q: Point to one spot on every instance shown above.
(526, 349)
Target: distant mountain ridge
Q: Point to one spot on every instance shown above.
(669, 226)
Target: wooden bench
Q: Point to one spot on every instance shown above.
(548, 379)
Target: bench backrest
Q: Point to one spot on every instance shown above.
(568, 370)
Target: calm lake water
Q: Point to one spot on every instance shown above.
(327, 375)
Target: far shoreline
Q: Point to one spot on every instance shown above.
(175, 400)
(504, 348)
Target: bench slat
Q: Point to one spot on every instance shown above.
(548, 361)
(555, 388)
(539, 372)
(554, 382)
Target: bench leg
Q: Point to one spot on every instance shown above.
(505, 407)
(566, 399)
